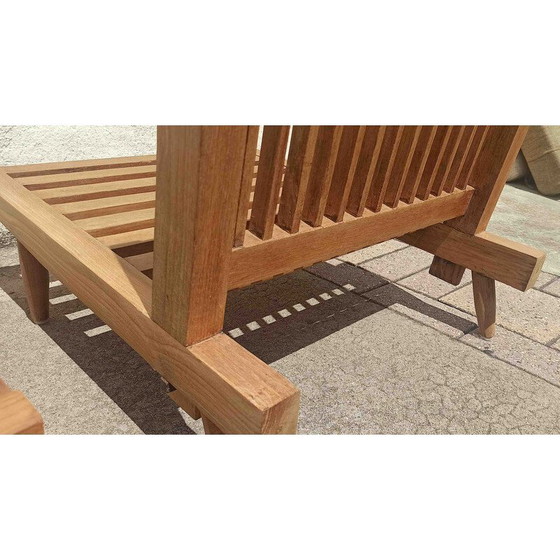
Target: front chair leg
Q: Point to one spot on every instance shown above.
(36, 284)
(484, 290)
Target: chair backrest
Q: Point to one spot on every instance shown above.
(307, 173)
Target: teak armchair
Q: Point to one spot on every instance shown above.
(156, 263)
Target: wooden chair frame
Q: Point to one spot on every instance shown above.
(342, 189)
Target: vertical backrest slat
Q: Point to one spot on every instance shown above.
(447, 159)
(246, 185)
(345, 168)
(298, 169)
(474, 151)
(402, 163)
(384, 168)
(489, 174)
(269, 180)
(434, 159)
(365, 168)
(460, 158)
(419, 159)
(322, 169)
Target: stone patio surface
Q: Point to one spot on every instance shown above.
(376, 344)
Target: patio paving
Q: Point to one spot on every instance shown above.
(375, 344)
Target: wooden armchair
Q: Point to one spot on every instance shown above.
(156, 264)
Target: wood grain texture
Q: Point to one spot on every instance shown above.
(199, 179)
(447, 271)
(418, 163)
(17, 415)
(236, 390)
(460, 159)
(484, 291)
(433, 162)
(298, 171)
(365, 169)
(185, 403)
(322, 170)
(344, 171)
(472, 156)
(403, 160)
(73, 178)
(269, 180)
(448, 157)
(489, 174)
(246, 185)
(61, 195)
(383, 171)
(106, 206)
(36, 285)
(509, 262)
(259, 260)
(37, 169)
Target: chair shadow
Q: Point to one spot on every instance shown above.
(270, 319)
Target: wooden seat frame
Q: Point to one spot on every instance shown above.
(340, 189)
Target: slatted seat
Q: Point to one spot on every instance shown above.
(229, 210)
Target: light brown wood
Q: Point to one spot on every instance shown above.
(489, 174)
(447, 159)
(322, 170)
(512, 263)
(384, 169)
(18, 415)
(36, 285)
(460, 159)
(269, 180)
(88, 177)
(403, 160)
(484, 290)
(61, 195)
(199, 179)
(233, 388)
(447, 271)
(259, 260)
(210, 428)
(365, 169)
(36, 169)
(298, 171)
(185, 403)
(246, 185)
(433, 162)
(106, 206)
(418, 163)
(472, 156)
(344, 171)
(411, 178)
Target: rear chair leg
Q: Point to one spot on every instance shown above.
(484, 290)
(36, 283)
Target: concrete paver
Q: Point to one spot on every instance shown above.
(399, 264)
(534, 314)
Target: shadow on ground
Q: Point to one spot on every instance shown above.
(270, 319)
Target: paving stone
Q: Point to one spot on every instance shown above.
(534, 314)
(344, 273)
(431, 286)
(553, 289)
(424, 309)
(378, 250)
(399, 264)
(544, 279)
(535, 358)
(388, 374)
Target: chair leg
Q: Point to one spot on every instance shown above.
(484, 290)
(210, 427)
(36, 284)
